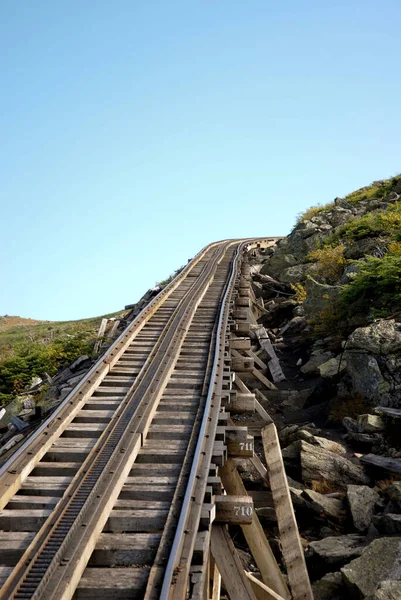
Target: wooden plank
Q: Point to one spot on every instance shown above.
(263, 379)
(254, 535)
(229, 565)
(262, 413)
(261, 469)
(242, 403)
(292, 549)
(395, 413)
(274, 363)
(388, 464)
(216, 583)
(241, 385)
(261, 590)
(256, 359)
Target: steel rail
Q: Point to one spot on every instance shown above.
(172, 562)
(130, 329)
(119, 426)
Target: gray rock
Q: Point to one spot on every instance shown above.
(329, 587)
(381, 337)
(317, 358)
(28, 403)
(334, 552)
(380, 561)
(387, 590)
(79, 362)
(370, 424)
(350, 425)
(394, 493)
(388, 523)
(319, 296)
(318, 463)
(331, 507)
(361, 500)
(333, 368)
(366, 377)
(297, 273)
(277, 264)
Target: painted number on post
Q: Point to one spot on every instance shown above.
(243, 511)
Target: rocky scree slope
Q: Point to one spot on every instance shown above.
(328, 295)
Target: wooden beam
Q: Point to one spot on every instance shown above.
(229, 565)
(254, 534)
(261, 469)
(242, 403)
(261, 590)
(256, 359)
(234, 510)
(274, 363)
(263, 379)
(241, 385)
(292, 549)
(262, 413)
(216, 583)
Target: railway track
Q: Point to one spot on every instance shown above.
(112, 496)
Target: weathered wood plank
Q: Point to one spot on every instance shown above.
(261, 590)
(395, 413)
(293, 552)
(229, 565)
(274, 363)
(254, 534)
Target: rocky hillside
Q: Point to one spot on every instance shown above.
(328, 295)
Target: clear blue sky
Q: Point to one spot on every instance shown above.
(134, 133)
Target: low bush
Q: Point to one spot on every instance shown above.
(352, 406)
(34, 360)
(330, 262)
(375, 288)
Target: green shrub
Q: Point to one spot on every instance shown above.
(330, 262)
(35, 359)
(376, 287)
(313, 211)
(385, 223)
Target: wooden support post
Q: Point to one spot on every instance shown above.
(216, 583)
(242, 363)
(241, 313)
(239, 443)
(254, 535)
(274, 363)
(240, 343)
(234, 510)
(261, 590)
(229, 565)
(243, 327)
(259, 375)
(261, 411)
(243, 302)
(242, 403)
(293, 552)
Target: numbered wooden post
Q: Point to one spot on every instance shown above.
(242, 363)
(242, 403)
(234, 510)
(240, 343)
(238, 442)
